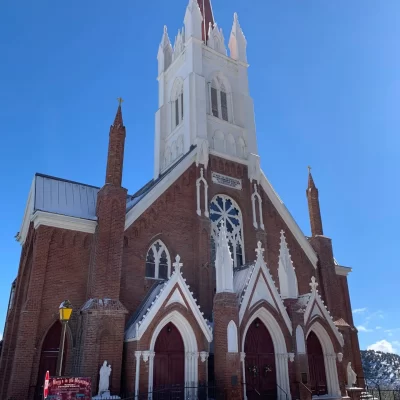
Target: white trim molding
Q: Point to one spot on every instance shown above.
(63, 222)
(198, 189)
(30, 205)
(343, 271)
(257, 196)
(289, 220)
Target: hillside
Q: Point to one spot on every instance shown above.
(381, 368)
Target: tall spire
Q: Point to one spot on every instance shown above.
(208, 17)
(313, 206)
(116, 145)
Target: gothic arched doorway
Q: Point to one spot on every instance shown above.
(259, 362)
(316, 365)
(169, 361)
(49, 355)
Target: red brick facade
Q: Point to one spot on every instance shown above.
(103, 275)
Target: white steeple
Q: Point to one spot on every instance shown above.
(237, 41)
(223, 263)
(286, 272)
(204, 98)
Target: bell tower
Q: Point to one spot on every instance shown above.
(203, 95)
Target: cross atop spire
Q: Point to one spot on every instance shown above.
(313, 284)
(208, 16)
(177, 264)
(259, 250)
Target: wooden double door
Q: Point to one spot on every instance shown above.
(316, 365)
(260, 363)
(169, 361)
(49, 356)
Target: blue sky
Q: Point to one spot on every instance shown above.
(325, 78)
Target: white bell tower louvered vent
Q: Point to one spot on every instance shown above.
(204, 98)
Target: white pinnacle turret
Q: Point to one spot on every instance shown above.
(237, 41)
(223, 263)
(193, 21)
(164, 56)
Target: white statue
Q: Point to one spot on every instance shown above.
(104, 382)
(351, 376)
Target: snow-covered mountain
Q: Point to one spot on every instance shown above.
(381, 368)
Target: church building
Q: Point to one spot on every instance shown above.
(199, 279)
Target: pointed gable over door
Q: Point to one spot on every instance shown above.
(258, 285)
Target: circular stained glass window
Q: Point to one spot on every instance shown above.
(223, 208)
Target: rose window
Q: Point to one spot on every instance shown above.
(223, 208)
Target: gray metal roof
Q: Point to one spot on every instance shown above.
(64, 197)
(74, 199)
(241, 278)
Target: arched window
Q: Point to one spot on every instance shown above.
(219, 141)
(223, 208)
(241, 148)
(231, 145)
(177, 103)
(158, 261)
(219, 99)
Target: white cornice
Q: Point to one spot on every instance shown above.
(63, 222)
(159, 189)
(343, 271)
(23, 232)
(288, 219)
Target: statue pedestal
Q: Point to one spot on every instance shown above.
(105, 396)
(354, 393)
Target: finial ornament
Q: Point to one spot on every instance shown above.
(309, 169)
(177, 264)
(259, 250)
(120, 100)
(313, 284)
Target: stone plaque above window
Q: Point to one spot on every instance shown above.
(225, 180)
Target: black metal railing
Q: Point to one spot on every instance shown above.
(374, 389)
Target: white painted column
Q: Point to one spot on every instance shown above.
(260, 210)
(198, 198)
(331, 374)
(138, 354)
(242, 359)
(253, 205)
(149, 355)
(282, 376)
(206, 213)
